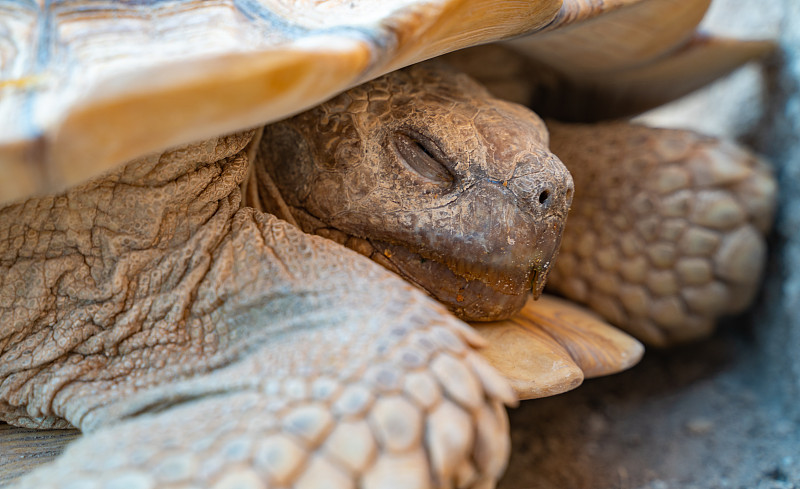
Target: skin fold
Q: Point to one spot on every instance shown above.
(428, 174)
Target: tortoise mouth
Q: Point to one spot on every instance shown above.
(480, 295)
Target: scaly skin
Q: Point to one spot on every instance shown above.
(667, 231)
(197, 342)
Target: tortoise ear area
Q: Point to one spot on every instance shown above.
(289, 159)
(348, 152)
(328, 138)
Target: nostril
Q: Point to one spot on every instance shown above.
(544, 196)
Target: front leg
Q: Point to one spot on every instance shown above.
(668, 232)
(269, 358)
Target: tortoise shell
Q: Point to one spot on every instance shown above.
(86, 85)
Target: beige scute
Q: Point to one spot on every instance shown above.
(198, 342)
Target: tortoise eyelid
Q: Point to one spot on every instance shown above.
(418, 154)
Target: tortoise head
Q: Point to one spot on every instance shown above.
(428, 174)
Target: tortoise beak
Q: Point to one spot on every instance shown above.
(539, 279)
(538, 283)
(547, 247)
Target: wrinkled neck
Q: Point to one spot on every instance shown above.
(95, 276)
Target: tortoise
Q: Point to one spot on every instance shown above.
(255, 332)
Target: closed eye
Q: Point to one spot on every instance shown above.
(421, 157)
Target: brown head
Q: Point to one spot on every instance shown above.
(427, 173)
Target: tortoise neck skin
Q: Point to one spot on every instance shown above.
(428, 174)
